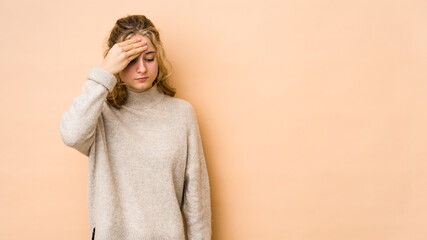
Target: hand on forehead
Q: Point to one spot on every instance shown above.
(143, 38)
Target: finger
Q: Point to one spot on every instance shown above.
(129, 41)
(134, 46)
(135, 52)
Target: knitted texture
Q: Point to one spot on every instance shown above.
(146, 164)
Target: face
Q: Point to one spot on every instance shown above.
(140, 73)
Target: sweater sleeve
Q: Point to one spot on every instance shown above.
(77, 125)
(196, 204)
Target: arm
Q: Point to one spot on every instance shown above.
(196, 204)
(78, 123)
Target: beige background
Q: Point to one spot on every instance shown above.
(312, 113)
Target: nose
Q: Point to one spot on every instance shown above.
(140, 68)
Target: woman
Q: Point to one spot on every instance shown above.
(146, 165)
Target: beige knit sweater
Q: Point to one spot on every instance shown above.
(146, 163)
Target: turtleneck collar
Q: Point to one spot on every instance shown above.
(143, 99)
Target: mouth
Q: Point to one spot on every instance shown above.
(143, 79)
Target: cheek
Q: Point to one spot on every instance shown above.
(127, 69)
(155, 67)
(125, 72)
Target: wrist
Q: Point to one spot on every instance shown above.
(106, 68)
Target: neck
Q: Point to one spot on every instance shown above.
(144, 99)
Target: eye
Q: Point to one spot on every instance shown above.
(149, 60)
(133, 61)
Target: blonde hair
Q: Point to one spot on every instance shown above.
(131, 25)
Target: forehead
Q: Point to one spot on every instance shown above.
(151, 48)
(143, 38)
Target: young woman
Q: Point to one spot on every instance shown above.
(147, 170)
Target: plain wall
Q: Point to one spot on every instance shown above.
(312, 113)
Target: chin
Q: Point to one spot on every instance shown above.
(140, 88)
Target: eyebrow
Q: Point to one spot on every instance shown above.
(149, 52)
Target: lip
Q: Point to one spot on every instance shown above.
(143, 79)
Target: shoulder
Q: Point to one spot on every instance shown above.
(181, 108)
(179, 104)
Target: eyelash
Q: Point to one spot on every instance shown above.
(148, 60)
